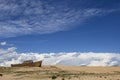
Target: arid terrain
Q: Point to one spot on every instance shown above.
(60, 72)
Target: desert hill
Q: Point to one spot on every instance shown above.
(60, 72)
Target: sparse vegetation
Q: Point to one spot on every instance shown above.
(54, 77)
(54, 73)
(63, 78)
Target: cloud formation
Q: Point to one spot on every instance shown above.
(27, 17)
(10, 56)
(3, 43)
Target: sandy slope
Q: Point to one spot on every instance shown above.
(60, 72)
(90, 69)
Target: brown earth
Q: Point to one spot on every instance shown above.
(60, 72)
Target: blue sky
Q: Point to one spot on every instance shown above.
(60, 25)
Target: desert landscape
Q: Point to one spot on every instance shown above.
(59, 39)
(60, 72)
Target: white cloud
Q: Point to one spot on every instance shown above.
(10, 56)
(38, 17)
(3, 43)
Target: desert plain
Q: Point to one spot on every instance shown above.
(60, 72)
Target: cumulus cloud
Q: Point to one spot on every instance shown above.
(3, 43)
(26, 17)
(10, 56)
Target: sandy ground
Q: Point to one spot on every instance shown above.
(60, 72)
